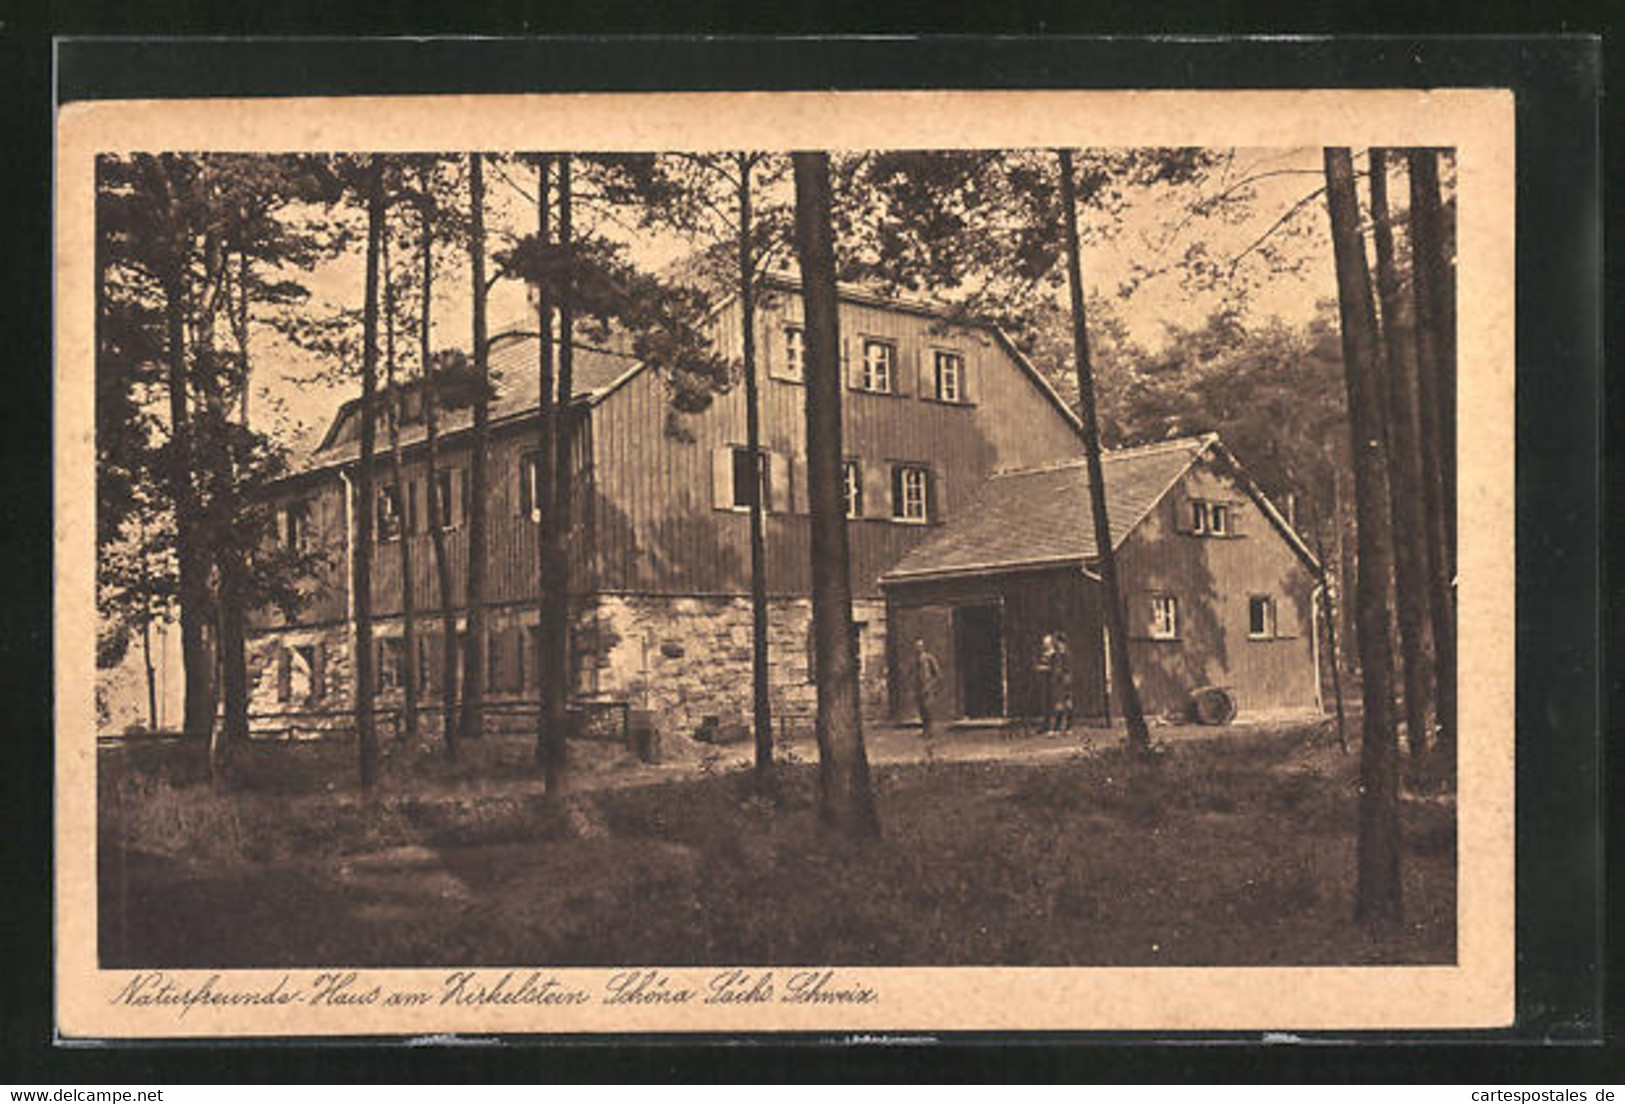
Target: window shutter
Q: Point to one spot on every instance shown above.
(878, 479)
(936, 490)
(906, 370)
(798, 484)
(722, 477)
(318, 672)
(967, 379)
(852, 369)
(1238, 519)
(778, 483)
(284, 675)
(1182, 514)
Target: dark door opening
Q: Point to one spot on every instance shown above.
(979, 633)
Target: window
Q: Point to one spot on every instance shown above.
(425, 664)
(910, 493)
(1213, 519)
(530, 482)
(1164, 617)
(950, 377)
(1260, 617)
(795, 352)
(297, 679)
(852, 488)
(389, 514)
(879, 364)
(744, 486)
(448, 510)
(296, 525)
(391, 656)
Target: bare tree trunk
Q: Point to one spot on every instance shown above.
(846, 800)
(1139, 737)
(1435, 343)
(198, 715)
(553, 715)
(436, 507)
(1378, 896)
(365, 684)
(555, 613)
(762, 707)
(403, 502)
(1404, 473)
(474, 654)
(1328, 610)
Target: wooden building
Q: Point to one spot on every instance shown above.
(933, 408)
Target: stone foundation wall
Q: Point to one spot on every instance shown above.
(682, 659)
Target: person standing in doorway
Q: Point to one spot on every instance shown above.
(1060, 685)
(927, 680)
(1043, 668)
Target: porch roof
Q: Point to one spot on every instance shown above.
(1042, 516)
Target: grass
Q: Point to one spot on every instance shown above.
(1227, 852)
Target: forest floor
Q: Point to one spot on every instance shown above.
(1234, 848)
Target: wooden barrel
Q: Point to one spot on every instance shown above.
(1213, 705)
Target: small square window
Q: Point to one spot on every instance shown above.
(879, 364)
(1260, 617)
(950, 377)
(795, 352)
(852, 488)
(1164, 617)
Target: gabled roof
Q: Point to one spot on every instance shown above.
(1042, 516)
(514, 377)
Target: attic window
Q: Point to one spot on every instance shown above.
(1218, 519)
(1211, 519)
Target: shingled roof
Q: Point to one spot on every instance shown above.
(1041, 516)
(514, 376)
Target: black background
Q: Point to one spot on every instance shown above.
(1561, 906)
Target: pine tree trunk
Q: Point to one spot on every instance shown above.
(762, 707)
(1139, 737)
(1435, 343)
(846, 800)
(437, 508)
(365, 681)
(198, 714)
(553, 714)
(1404, 473)
(555, 614)
(1378, 895)
(474, 654)
(409, 620)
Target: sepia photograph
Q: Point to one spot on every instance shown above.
(705, 575)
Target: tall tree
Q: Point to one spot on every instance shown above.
(1433, 283)
(372, 181)
(761, 703)
(846, 801)
(552, 719)
(474, 661)
(1404, 469)
(555, 618)
(1139, 737)
(402, 503)
(1378, 894)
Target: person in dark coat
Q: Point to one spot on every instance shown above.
(927, 680)
(1060, 685)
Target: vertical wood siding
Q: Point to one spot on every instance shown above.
(657, 528)
(1212, 579)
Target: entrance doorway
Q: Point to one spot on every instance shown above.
(979, 633)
